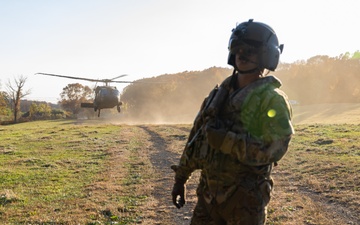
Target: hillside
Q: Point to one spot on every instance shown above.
(174, 98)
(318, 84)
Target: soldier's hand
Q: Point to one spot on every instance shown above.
(178, 194)
(215, 135)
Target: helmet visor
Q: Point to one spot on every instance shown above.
(245, 50)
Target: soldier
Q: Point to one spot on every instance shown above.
(243, 128)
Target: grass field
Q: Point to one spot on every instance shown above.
(65, 172)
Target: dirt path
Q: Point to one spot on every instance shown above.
(165, 149)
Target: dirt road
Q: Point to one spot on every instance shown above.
(166, 144)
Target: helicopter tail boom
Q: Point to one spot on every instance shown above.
(87, 105)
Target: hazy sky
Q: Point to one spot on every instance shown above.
(146, 38)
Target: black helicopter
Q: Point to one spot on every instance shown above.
(106, 97)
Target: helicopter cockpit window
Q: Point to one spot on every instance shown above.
(116, 92)
(109, 92)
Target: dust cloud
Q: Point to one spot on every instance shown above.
(173, 112)
(327, 113)
(321, 90)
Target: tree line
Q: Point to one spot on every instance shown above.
(323, 79)
(13, 108)
(177, 97)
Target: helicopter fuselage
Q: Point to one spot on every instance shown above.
(106, 97)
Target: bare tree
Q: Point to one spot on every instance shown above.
(16, 93)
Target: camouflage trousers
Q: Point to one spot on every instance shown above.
(244, 207)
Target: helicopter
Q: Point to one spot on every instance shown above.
(106, 96)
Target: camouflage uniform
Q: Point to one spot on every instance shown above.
(235, 182)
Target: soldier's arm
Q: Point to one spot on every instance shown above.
(273, 142)
(256, 152)
(187, 164)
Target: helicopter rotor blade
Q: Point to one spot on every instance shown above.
(142, 82)
(76, 78)
(118, 77)
(122, 82)
(106, 81)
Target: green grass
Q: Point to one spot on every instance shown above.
(43, 163)
(131, 199)
(323, 162)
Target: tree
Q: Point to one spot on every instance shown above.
(16, 93)
(72, 96)
(5, 110)
(40, 111)
(356, 55)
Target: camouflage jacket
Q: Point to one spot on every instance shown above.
(258, 120)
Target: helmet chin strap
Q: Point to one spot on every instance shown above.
(248, 71)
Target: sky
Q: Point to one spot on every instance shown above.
(146, 38)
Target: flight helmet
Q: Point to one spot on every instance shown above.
(260, 36)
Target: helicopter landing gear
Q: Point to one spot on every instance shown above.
(118, 107)
(96, 109)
